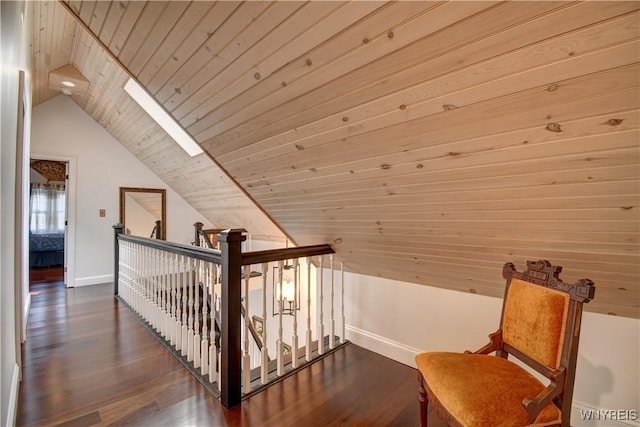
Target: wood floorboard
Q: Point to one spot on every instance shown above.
(88, 361)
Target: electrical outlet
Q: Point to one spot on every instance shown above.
(103, 213)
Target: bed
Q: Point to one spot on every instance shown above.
(46, 250)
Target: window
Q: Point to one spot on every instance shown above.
(47, 208)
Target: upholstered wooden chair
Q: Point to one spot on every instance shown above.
(540, 325)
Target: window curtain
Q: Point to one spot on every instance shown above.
(47, 208)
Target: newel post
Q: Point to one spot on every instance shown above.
(197, 230)
(230, 319)
(117, 229)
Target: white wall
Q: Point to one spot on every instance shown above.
(14, 37)
(400, 319)
(61, 129)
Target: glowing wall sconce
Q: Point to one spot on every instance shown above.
(286, 294)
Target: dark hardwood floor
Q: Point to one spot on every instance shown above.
(46, 274)
(88, 361)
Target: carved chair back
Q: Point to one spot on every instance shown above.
(540, 323)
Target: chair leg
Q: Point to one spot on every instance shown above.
(424, 401)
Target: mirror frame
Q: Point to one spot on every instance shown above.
(163, 194)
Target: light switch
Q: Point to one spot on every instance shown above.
(103, 213)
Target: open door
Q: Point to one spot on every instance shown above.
(48, 219)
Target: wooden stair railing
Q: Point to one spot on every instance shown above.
(161, 282)
(204, 235)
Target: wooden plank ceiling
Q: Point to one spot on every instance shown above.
(59, 39)
(430, 142)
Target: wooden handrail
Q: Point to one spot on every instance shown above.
(258, 257)
(204, 254)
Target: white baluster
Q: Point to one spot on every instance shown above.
(246, 358)
(145, 283)
(123, 270)
(121, 279)
(218, 308)
(140, 280)
(320, 304)
(134, 277)
(178, 302)
(154, 288)
(184, 280)
(133, 283)
(307, 352)
(167, 296)
(264, 366)
(140, 284)
(204, 344)
(158, 293)
(148, 285)
(343, 336)
(196, 312)
(190, 284)
(213, 351)
(294, 337)
(279, 297)
(171, 313)
(332, 324)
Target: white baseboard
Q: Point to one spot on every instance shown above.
(13, 397)
(378, 344)
(92, 280)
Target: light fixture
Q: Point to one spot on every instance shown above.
(286, 296)
(67, 77)
(164, 119)
(288, 291)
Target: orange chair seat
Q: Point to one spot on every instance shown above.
(470, 385)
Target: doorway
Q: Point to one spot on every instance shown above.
(48, 220)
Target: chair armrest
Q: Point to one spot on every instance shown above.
(534, 406)
(495, 344)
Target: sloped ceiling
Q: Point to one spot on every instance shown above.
(429, 142)
(58, 40)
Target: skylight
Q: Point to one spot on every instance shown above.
(163, 118)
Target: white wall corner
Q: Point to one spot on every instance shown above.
(392, 349)
(13, 397)
(91, 280)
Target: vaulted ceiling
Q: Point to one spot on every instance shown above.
(429, 142)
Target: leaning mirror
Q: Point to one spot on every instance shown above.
(143, 212)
